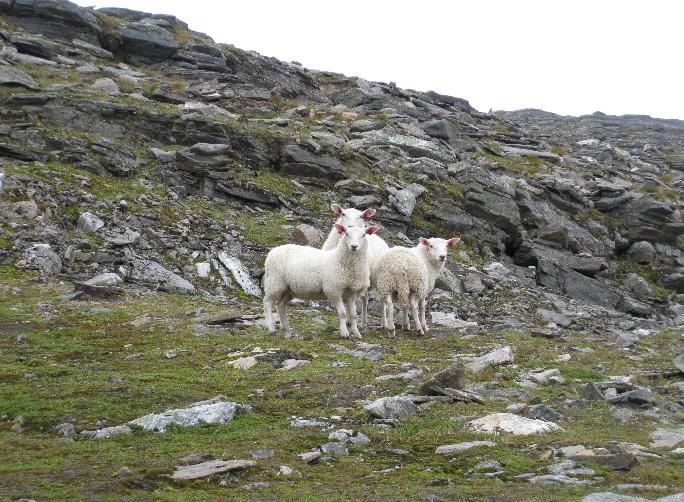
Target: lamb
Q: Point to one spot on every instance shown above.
(377, 247)
(409, 274)
(340, 274)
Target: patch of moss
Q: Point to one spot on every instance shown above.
(263, 229)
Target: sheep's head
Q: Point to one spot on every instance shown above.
(437, 249)
(355, 237)
(351, 217)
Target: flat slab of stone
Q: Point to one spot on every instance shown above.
(459, 447)
(12, 76)
(196, 471)
(504, 355)
(666, 438)
(392, 407)
(203, 412)
(512, 424)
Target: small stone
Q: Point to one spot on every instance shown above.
(243, 363)
(459, 447)
(170, 354)
(392, 407)
(592, 393)
(209, 468)
(289, 364)
(504, 355)
(89, 222)
(310, 456)
(65, 429)
(262, 453)
(194, 458)
(288, 472)
(106, 85)
(338, 448)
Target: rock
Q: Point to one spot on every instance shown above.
(142, 41)
(205, 469)
(288, 472)
(55, 18)
(489, 197)
(240, 273)
(338, 448)
(89, 222)
(641, 252)
(151, 272)
(164, 96)
(497, 357)
(209, 149)
(452, 377)
(638, 286)
(592, 393)
(666, 438)
(510, 151)
(243, 363)
(194, 458)
(459, 447)
(638, 397)
(2, 180)
(543, 412)
(679, 362)
(289, 364)
(203, 269)
(163, 155)
(309, 456)
(262, 453)
(619, 462)
(43, 258)
(473, 284)
(349, 436)
(513, 424)
(363, 351)
(611, 497)
(404, 201)
(391, 407)
(558, 479)
(302, 422)
(108, 432)
(555, 317)
(306, 235)
(297, 160)
(106, 85)
(674, 281)
(13, 76)
(95, 50)
(451, 320)
(213, 411)
(550, 375)
(65, 429)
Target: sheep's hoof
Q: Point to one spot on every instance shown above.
(420, 332)
(391, 333)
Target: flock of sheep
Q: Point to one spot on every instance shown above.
(353, 260)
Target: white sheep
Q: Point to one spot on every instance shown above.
(377, 247)
(340, 274)
(409, 274)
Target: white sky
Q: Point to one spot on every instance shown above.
(565, 56)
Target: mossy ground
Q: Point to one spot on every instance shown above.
(77, 349)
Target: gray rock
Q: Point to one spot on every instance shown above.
(147, 42)
(2, 180)
(306, 235)
(309, 456)
(338, 448)
(404, 201)
(555, 317)
(210, 149)
(674, 281)
(611, 497)
(297, 160)
(543, 412)
(638, 397)
(163, 155)
(459, 447)
(262, 453)
(504, 355)
(108, 432)
(205, 469)
(392, 407)
(512, 424)
(679, 362)
(106, 85)
(666, 438)
(92, 49)
(642, 252)
(65, 429)
(165, 96)
(43, 258)
(452, 377)
(13, 76)
(151, 272)
(559, 479)
(89, 222)
(240, 273)
(473, 284)
(213, 411)
(638, 286)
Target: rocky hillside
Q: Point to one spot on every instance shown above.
(145, 171)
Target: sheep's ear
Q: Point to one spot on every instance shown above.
(337, 209)
(340, 228)
(368, 213)
(453, 242)
(372, 229)
(424, 241)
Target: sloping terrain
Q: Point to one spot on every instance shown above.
(145, 171)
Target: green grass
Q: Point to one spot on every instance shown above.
(77, 348)
(525, 165)
(263, 229)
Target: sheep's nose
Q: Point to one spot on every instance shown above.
(442, 257)
(354, 247)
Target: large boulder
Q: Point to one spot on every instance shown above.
(649, 219)
(43, 258)
(674, 281)
(298, 160)
(145, 42)
(54, 18)
(151, 272)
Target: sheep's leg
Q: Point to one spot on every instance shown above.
(421, 305)
(282, 313)
(268, 315)
(389, 307)
(406, 324)
(350, 304)
(342, 314)
(364, 310)
(414, 312)
(383, 323)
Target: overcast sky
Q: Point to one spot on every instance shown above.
(569, 57)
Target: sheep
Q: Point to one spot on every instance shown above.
(340, 274)
(377, 247)
(409, 274)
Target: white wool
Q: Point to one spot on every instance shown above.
(339, 275)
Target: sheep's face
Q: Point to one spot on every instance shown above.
(438, 249)
(354, 238)
(351, 217)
